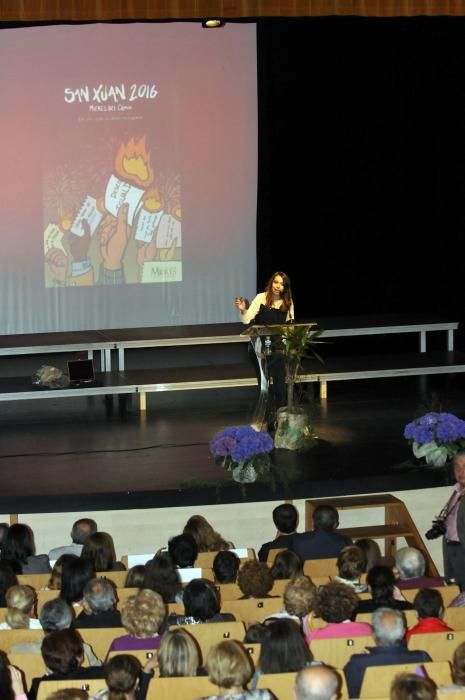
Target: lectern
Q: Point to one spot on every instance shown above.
(266, 342)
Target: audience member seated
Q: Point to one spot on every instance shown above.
(409, 686)
(230, 668)
(135, 577)
(283, 649)
(11, 683)
(335, 603)
(79, 533)
(54, 583)
(458, 671)
(206, 538)
(7, 579)
(298, 598)
(179, 655)
(255, 579)
(20, 614)
(98, 605)
(76, 573)
(72, 694)
(142, 617)
(287, 564)
(372, 552)
(317, 683)
(55, 615)
(285, 518)
(183, 551)
(225, 566)
(162, 576)
(99, 548)
(256, 633)
(3, 530)
(323, 541)
(19, 549)
(125, 678)
(63, 655)
(388, 632)
(384, 593)
(201, 604)
(430, 610)
(410, 565)
(351, 564)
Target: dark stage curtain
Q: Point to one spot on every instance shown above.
(362, 163)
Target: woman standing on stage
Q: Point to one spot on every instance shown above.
(274, 306)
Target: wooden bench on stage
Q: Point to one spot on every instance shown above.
(218, 376)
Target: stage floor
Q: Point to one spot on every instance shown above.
(84, 453)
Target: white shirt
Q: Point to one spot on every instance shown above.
(254, 308)
(33, 625)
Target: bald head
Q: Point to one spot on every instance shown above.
(316, 683)
(388, 627)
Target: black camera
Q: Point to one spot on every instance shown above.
(438, 529)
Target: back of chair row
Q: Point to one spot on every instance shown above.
(378, 679)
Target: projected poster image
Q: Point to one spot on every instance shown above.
(127, 229)
(128, 178)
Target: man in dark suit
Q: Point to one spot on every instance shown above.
(285, 517)
(323, 542)
(389, 632)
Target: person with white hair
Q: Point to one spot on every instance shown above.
(317, 683)
(99, 605)
(388, 632)
(411, 565)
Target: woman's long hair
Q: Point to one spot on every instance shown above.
(6, 688)
(18, 546)
(99, 548)
(381, 581)
(284, 649)
(286, 294)
(206, 538)
(121, 674)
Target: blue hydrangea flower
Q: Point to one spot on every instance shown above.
(443, 429)
(240, 444)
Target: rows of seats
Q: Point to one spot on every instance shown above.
(333, 652)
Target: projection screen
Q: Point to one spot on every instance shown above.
(128, 175)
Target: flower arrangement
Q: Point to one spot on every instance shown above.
(436, 437)
(243, 451)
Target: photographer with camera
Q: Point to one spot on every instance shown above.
(451, 524)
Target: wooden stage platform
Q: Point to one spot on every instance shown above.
(93, 452)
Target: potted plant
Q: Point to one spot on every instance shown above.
(295, 343)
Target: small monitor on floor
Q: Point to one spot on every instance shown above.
(81, 371)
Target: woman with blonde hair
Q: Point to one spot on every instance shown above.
(20, 614)
(230, 668)
(178, 654)
(142, 617)
(206, 538)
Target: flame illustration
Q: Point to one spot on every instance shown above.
(152, 200)
(132, 163)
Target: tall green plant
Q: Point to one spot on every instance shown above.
(295, 343)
